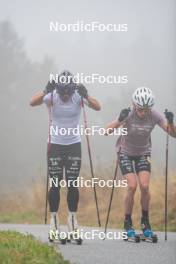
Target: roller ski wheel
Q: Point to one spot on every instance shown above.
(153, 238)
(54, 237)
(79, 241)
(73, 237)
(63, 241)
(137, 238)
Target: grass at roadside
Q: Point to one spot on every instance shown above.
(28, 206)
(20, 217)
(16, 248)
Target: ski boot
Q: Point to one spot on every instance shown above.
(73, 231)
(54, 234)
(131, 234)
(147, 233)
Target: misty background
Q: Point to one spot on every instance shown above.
(29, 52)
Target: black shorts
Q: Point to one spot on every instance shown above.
(132, 164)
(64, 157)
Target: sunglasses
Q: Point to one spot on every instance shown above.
(143, 110)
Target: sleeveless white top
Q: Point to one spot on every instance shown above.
(64, 116)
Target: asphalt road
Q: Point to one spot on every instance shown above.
(111, 251)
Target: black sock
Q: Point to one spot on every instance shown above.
(144, 214)
(127, 217)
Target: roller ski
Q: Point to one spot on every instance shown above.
(131, 234)
(54, 234)
(73, 234)
(147, 234)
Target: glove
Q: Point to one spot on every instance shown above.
(169, 116)
(82, 90)
(50, 87)
(124, 114)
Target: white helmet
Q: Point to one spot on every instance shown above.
(143, 97)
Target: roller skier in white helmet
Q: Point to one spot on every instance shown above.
(134, 151)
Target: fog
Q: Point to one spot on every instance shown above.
(30, 52)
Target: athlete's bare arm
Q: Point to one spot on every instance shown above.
(93, 103)
(37, 99)
(112, 126)
(170, 128)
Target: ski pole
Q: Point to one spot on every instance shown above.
(111, 197)
(46, 195)
(48, 152)
(91, 164)
(166, 179)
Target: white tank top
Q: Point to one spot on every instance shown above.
(65, 116)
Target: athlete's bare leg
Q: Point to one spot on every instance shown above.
(144, 180)
(132, 185)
